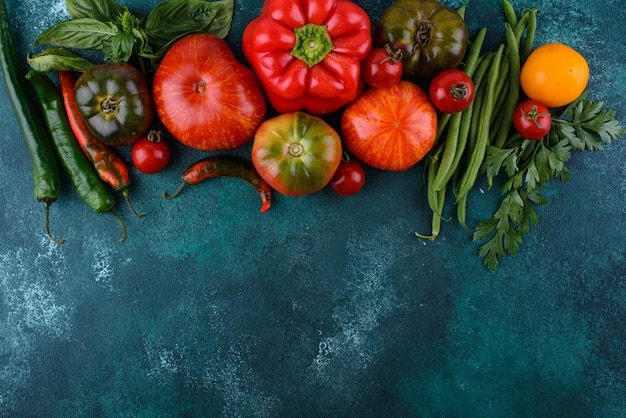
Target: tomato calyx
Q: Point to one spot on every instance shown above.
(109, 105)
(155, 135)
(533, 115)
(394, 55)
(295, 149)
(460, 91)
(422, 35)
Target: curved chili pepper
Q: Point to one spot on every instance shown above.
(44, 164)
(219, 165)
(89, 187)
(109, 166)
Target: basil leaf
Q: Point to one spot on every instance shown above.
(120, 48)
(58, 59)
(78, 34)
(141, 39)
(171, 20)
(220, 26)
(101, 10)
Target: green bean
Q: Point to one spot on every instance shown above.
(442, 124)
(436, 201)
(452, 122)
(451, 143)
(461, 211)
(479, 97)
(527, 46)
(498, 119)
(473, 56)
(479, 94)
(461, 201)
(503, 77)
(514, 86)
(449, 151)
(500, 102)
(461, 10)
(461, 144)
(482, 139)
(521, 26)
(509, 13)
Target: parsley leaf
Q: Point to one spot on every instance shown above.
(529, 165)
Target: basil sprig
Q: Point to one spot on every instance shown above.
(104, 25)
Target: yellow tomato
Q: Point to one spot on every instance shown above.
(554, 74)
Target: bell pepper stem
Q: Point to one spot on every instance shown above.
(313, 44)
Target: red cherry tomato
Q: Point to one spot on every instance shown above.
(348, 179)
(451, 91)
(382, 67)
(532, 120)
(151, 154)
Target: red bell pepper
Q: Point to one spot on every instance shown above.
(307, 53)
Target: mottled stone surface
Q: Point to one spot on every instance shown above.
(324, 306)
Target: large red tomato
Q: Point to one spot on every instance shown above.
(205, 97)
(390, 128)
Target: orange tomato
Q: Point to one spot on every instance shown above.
(554, 74)
(390, 128)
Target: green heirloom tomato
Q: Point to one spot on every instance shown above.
(115, 102)
(296, 153)
(431, 36)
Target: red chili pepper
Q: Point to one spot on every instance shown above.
(109, 166)
(307, 53)
(218, 165)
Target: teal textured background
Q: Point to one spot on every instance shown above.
(324, 306)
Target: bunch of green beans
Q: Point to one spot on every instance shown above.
(456, 160)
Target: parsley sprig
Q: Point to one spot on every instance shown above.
(529, 165)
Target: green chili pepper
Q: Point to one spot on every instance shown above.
(44, 164)
(91, 189)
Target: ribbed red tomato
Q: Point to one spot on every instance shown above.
(390, 128)
(205, 97)
(296, 153)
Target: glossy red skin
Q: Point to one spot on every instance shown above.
(150, 157)
(290, 84)
(348, 179)
(379, 69)
(526, 125)
(390, 128)
(451, 91)
(232, 106)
